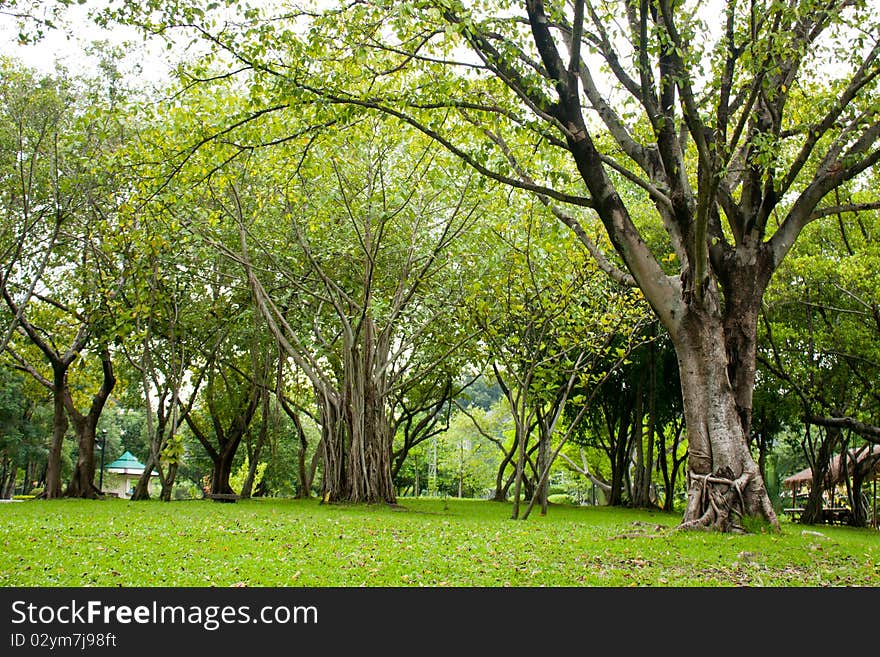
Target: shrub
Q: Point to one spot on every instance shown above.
(186, 490)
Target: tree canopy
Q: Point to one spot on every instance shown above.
(329, 166)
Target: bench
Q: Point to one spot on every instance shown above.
(222, 497)
(794, 513)
(837, 515)
(830, 515)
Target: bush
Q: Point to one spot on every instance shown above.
(561, 498)
(186, 490)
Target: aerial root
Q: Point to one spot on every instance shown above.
(721, 501)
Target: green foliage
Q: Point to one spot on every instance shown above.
(279, 131)
(820, 341)
(25, 420)
(237, 479)
(173, 451)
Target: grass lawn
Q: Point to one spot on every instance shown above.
(280, 543)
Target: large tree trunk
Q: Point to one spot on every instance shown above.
(369, 449)
(222, 471)
(356, 449)
(357, 437)
(724, 482)
(369, 457)
(82, 481)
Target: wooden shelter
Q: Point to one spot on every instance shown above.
(836, 476)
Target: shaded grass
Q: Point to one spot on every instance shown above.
(433, 543)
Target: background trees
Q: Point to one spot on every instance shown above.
(553, 329)
(63, 271)
(715, 151)
(685, 152)
(707, 122)
(821, 345)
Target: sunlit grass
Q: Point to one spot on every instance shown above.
(428, 542)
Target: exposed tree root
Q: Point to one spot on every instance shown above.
(718, 498)
(719, 501)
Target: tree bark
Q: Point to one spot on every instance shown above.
(60, 423)
(861, 471)
(820, 465)
(724, 482)
(82, 481)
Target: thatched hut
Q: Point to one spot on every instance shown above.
(837, 473)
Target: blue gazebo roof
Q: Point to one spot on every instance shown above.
(126, 464)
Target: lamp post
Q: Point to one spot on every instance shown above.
(103, 446)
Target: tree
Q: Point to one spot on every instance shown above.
(34, 17)
(553, 327)
(63, 271)
(713, 118)
(164, 354)
(238, 368)
(636, 414)
(371, 269)
(825, 304)
(735, 127)
(21, 433)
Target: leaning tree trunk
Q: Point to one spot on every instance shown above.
(142, 487)
(305, 471)
(502, 487)
(254, 452)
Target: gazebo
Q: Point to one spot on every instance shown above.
(836, 476)
(128, 470)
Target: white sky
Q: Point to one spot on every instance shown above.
(68, 47)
